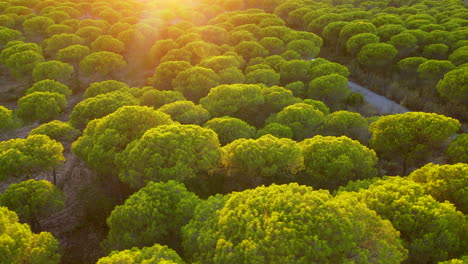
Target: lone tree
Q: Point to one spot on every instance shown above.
(19, 157)
(20, 245)
(265, 160)
(53, 70)
(33, 200)
(102, 64)
(170, 152)
(288, 224)
(42, 106)
(169, 206)
(333, 161)
(410, 137)
(230, 129)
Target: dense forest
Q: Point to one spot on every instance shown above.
(228, 132)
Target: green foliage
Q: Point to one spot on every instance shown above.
(17, 48)
(273, 45)
(288, 224)
(277, 98)
(319, 105)
(459, 56)
(431, 231)
(166, 72)
(333, 161)
(103, 138)
(457, 151)
(265, 76)
(233, 100)
(356, 42)
(454, 86)
(21, 64)
(24, 157)
(52, 70)
(60, 41)
(99, 106)
(434, 69)
(231, 75)
(73, 54)
(344, 123)
(102, 63)
(276, 130)
(156, 98)
(306, 48)
(7, 119)
(294, 70)
(250, 49)
(169, 152)
(409, 66)
(33, 199)
(7, 35)
(410, 136)
(355, 28)
(377, 55)
(108, 43)
(436, 51)
(20, 245)
(229, 129)
(161, 48)
(405, 43)
(331, 89)
(445, 183)
(186, 112)
(57, 130)
(328, 68)
(303, 119)
(154, 254)
(297, 88)
(42, 106)
(260, 161)
(104, 87)
(154, 214)
(219, 63)
(195, 82)
(50, 86)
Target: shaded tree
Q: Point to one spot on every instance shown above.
(33, 200)
(333, 161)
(195, 82)
(169, 152)
(57, 130)
(169, 206)
(24, 157)
(412, 136)
(186, 112)
(42, 106)
(52, 70)
(229, 129)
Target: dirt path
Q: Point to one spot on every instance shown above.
(381, 103)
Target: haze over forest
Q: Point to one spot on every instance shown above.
(233, 131)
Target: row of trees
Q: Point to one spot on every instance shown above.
(251, 225)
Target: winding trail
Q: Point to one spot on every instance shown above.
(381, 103)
